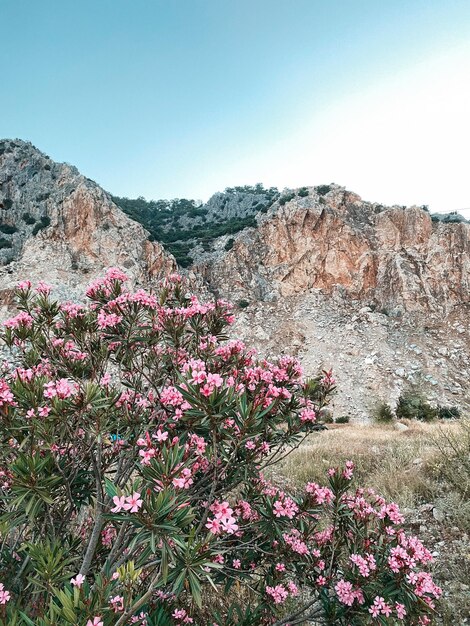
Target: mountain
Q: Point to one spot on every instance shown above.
(381, 294)
(59, 226)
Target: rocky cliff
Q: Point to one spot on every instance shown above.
(61, 227)
(379, 293)
(394, 258)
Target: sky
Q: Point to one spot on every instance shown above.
(182, 98)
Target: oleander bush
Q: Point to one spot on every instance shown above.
(133, 441)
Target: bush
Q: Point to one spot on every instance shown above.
(411, 405)
(242, 304)
(342, 419)
(28, 218)
(303, 192)
(322, 190)
(286, 198)
(229, 244)
(448, 412)
(383, 413)
(7, 203)
(5, 243)
(132, 444)
(8, 229)
(454, 459)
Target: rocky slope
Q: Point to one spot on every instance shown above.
(61, 227)
(381, 294)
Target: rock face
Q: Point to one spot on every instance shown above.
(395, 258)
(380, 294)
(58, 226)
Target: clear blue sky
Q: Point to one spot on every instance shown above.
(181, 98)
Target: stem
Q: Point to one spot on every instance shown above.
(95, 535)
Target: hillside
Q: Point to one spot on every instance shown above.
(188, 229)
(59, 226)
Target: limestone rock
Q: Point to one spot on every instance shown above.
(61, 227)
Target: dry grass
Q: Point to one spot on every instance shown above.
(397, 464)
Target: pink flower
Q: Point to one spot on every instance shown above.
(96, 622)
(62, 389)
(22, 319)
(214, 526)
(133, 503)
(278, 593)
(114, 273)
(78, 580)
(236, 563)
(43, 288)
(108, 320)
(120, 503)
(6, 396)
(4, 594)
(345, 593)
(117, 603)
(161, 436)
(308, 415)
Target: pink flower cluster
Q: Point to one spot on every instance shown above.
(347, 594)
(366, 564)
(223, 520)
(280, 593)
(117, 604)
(62, 389)
(294, 541)
(319, 495)
(182, 616)
(285, 507)
(108, 320)
(127, 503)
(104, 285)
(22, 320)
(6, 396)
(380, 607)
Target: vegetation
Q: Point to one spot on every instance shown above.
(229, 244)
(449, 218)
(412, 405)
(426, 466)
(383, 413)
(180, 225)
(286, 198)
(28, 218)
(5, 243)
(8, 229)
(44, 222)
(134, 445)
(322, 190)
(242, 304)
